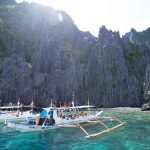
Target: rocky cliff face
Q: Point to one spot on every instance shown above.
(44, 56)
(109, 81)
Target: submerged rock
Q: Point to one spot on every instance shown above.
(146, 107)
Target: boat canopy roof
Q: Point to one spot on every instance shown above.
(77, 107)
(67, 107)
(21, 106)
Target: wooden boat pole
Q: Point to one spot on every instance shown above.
(87, 134)
(107, 130)
(117, 119)
(102, 124)
(98, 121)
(84, 130)
(97, 134)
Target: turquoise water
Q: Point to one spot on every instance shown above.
(135, 135)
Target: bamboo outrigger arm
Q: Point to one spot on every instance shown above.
(107, 130)
(87, 134)
(100, 122)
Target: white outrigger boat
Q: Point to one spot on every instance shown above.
(53, 117)
(11, 112)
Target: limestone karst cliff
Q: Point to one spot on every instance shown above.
(43, 56)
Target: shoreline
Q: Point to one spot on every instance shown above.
(123, 108)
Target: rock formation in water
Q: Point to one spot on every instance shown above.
(44, 56)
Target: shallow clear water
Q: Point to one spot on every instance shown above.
(135, 135)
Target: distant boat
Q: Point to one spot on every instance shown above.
(19, 111)
(53, 117)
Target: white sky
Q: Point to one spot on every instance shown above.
(118, 15)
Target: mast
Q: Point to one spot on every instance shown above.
(89, 106)
(51, 103)
(18, 106)
(32, 105)
(73, 99)
(74, 110)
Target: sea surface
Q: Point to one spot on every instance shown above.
(134, 135)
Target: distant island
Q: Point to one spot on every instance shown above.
(44, 56)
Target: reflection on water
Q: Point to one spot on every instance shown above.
(135, 135)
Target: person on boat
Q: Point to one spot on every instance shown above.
(53, 121)
(73, 116)
(47, 122)
(41, 120)
(62, 115)
(70, 116)
(37, 121)
(82, 113)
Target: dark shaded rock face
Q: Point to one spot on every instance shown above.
(111, 84)
(146, 84)
(15, 79)
(44, 56)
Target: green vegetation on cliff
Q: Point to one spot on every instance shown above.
(134, 54)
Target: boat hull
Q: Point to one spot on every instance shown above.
(24, 127)
(15, 116)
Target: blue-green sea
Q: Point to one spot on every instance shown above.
(134, 135)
